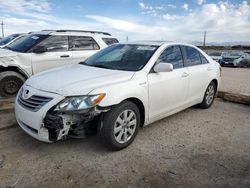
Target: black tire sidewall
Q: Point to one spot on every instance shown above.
(14, 77)
(109, 118)
(204, 102)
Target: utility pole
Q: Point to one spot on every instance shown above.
(2, 29)
(204, 41)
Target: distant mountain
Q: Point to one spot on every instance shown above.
(198, 43)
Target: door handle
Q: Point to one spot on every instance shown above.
(185, 74)
(64, 56)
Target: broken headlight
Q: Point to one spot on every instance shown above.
(79, 103)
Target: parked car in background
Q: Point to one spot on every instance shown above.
(116, 91)
(231, 59)
(215, 56)
(245, 62)
(10, 39)
(44, 50)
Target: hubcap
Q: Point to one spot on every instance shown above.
(11, 87)
(125, 126)
(209, 94)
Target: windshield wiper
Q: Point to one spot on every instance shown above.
(101, 66)
(98, 65)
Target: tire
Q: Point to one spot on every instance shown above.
(111, 120)
(10, 83)
(209, 96)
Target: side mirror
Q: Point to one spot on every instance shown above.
(163, 67)
(40, 49)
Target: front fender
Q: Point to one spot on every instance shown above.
(11, 63)
(115, 94)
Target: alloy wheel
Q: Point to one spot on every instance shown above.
(125, 126)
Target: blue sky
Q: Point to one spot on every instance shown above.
(138, 19)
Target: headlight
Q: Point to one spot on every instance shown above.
(79, 103)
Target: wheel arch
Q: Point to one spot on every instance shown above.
(216, 83)
(140, 106)
(14, 69)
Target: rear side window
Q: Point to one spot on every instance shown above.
(203, 59)
(83, 43)
(55, 43)
(110, 41)
(192, 56)
(172, 55)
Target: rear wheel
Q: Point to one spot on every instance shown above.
(120, 125)
(10, 83)
(209, 96)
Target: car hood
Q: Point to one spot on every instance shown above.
(7, 53)
(231, 57)
(77, 79)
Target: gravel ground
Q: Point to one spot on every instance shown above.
(235, 80)
(194, 148)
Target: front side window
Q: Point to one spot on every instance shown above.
(110, 41)
(55, 43)
(172, 55)
(192, 56)
(24, 44)
(127, 57)
(83, 43)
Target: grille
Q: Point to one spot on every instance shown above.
(34, 103)
(228, 59)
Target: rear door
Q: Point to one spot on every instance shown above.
(57, 54)
(168, 90)
(82, 47)
(198, 68)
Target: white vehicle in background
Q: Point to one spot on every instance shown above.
(216, 56)
(116, 91)
(10, 39)
(44, 50)
(232, 59)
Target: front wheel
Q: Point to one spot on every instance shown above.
(10, 83)
(209, 96)
(120, 125)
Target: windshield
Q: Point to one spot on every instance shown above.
(215, 54)
(24, 44)
(235, 54)
(7, 39)
(128, 57)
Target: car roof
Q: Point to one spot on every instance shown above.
(75, 33)
(159, 43)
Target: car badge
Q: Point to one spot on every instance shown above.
(26, 94)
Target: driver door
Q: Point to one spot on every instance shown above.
(57, 54)
(168, 90)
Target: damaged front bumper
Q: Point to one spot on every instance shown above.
(47, 126)
(75, 125)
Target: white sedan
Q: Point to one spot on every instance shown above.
(116, 91)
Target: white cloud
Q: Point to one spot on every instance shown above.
(155, 10)
(185, 6)
(200, 2)
(141, 4)
(171, 17)
(24, 5)
(223, 21)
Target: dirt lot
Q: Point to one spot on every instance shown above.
(236, 80)
(194, 148)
